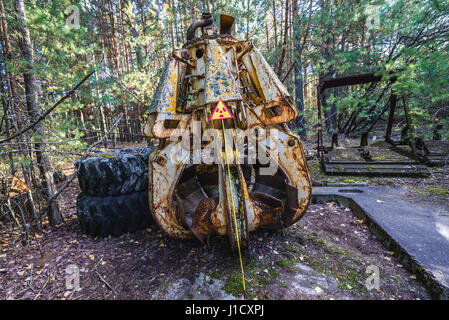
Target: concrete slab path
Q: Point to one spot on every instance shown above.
(417, 232)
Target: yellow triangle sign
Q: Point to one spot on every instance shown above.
(221, 112)
(17, 187)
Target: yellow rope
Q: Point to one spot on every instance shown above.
(233, 210)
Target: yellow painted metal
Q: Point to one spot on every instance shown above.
(209, 69)
(219, 84)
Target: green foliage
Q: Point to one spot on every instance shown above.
(129, 48)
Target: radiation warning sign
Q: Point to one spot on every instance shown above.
(221, 112)
(17, 187)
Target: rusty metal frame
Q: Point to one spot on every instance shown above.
(356, 79)
(194, 201)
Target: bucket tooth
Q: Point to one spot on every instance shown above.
(163, 177)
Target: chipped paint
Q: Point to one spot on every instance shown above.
(194, 201)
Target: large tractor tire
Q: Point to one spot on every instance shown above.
(116, 215)
(122, 171)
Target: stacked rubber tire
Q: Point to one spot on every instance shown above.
(114, 198)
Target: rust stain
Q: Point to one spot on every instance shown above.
(209, 68)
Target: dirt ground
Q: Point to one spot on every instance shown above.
(327, 255)
(324, 256)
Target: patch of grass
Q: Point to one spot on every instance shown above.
(284, 264)
(350, 281)
(346, 271)
(274, 274)
(314, 168)
(435, 190)
(289, 247)
(107, 154)
(284, 285)
(336, 250)
(378, 158)
(263, 281)
(215, 275)
(234, 284)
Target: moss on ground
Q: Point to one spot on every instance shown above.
(284, 264)
(233, 284)
(107, 154)
(435, 190)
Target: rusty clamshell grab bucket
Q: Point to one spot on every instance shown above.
(197, 194)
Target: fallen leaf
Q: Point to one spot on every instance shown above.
(413, 277)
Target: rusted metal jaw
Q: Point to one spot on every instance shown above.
(236, 192)
(195, 201)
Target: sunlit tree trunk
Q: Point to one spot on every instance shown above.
(46, 173)
(299, 98)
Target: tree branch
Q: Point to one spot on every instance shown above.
(42, 116)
